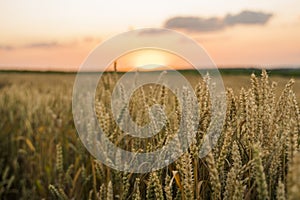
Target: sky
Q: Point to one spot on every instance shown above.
(59, 35)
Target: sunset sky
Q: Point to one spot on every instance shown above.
(58, 35)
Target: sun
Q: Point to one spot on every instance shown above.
(149, 59)
(145, 59)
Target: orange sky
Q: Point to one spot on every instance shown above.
(59, 36)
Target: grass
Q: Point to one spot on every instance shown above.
(256, 156)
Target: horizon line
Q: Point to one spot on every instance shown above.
(181, 68)
(142, 71)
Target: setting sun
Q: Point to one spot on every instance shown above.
(149, 59)
(146, 58)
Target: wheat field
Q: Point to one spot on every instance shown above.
(256, 157)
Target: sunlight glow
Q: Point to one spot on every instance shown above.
(150, 59)
(146, 59)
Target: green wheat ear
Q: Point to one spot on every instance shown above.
(59, 158)
(234, 185)
(57, 193)
(293, 180)
(110, 192)
(187, 176)
(137, 192)
(214, 176)
(280, 193)
(125, 185)
(154, 187)
(260, 177)
(59, 163)
(168, 187)
(101, 195)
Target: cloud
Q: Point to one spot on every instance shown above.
(42, 45)
(200, 24)
(6, 47)
(152, 31)
(248, 17)
(90, 39)
(196, 24)
(46, 44)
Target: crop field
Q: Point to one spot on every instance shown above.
(256, 156)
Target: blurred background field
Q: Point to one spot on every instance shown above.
(232, 78)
